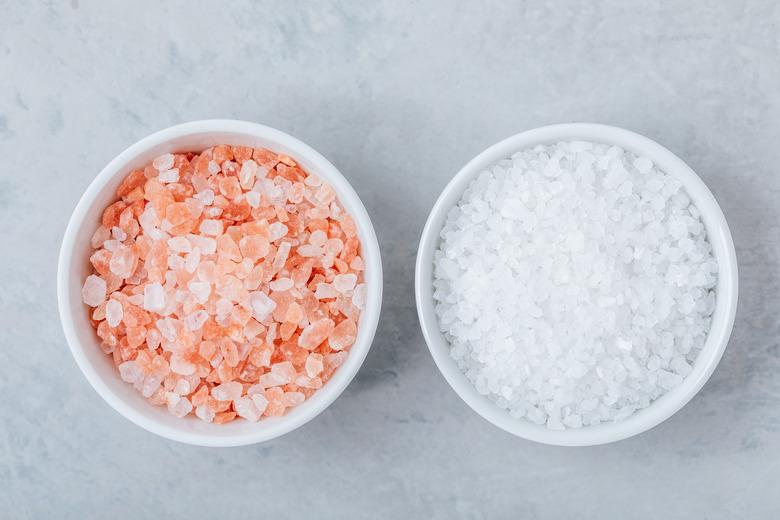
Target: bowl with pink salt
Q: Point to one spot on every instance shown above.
(219, 283)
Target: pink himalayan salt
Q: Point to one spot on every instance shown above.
(184, 264)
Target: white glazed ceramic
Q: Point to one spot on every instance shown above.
(723, 318)
(74, 266)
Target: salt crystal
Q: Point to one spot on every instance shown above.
(163, 162)
(114, 313)
(211, 227)
(277, 230)
(262, 305)
(169, 176)
(572, 282)
(94, 291)
(154, 297)
(344, 283)
(281, 284)
(195, 320)
(130, 372)
(179, 244)
(227, 391)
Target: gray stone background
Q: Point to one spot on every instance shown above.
(399, 95)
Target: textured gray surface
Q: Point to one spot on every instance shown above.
(398, 95)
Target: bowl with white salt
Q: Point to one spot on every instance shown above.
(576, 284)
(209, 330)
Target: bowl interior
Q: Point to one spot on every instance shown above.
(74, 267)
(726, 291)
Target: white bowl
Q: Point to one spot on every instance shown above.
(726, 291)
(74, 266)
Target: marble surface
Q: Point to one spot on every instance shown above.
(398, 95)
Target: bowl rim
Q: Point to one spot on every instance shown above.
(726, 290)
(369, 246)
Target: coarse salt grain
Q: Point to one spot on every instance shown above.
(574, 283)
(204, 302)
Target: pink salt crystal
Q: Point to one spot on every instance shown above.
(309, 251)
(281, 256)
(148, 219)
(114, 313)
(130, 372)
(205, 197)
(293, 398)
(281, 284)
(195, 207)
(262, 305)
(182, 387)
(179, 245)
(344, 283)
(308, 382)
(163, 162)
(254, 247)
(178, 406)
(179, 365)
(277, 230)
(204, 413)
(229, 287)
(151, 384)
(318, 238)
(280, 374)
(123, 261)
(253, 199)
(357, 264)
(200, 290)
(118, 234)
(206, 271)
(192, 260)
(167, 328)
(153, 339)
(207, 245)
(224, 307)
(247, 174)
(154, 297)
(252, 329)
(169, 176)
(325, 290)
(359, 296)
(245, 407)
(211, 227)
(227, 391)
(314, 364)
(101, 235)
(195, 320)
(325, 194)
(336, 359)
(343, 335)
(312, 181)
(260, 402)
(94, 291)
(315, 333)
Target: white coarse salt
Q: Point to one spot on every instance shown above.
(574, 283)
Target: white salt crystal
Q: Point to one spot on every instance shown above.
(574, 283)
(201, 290)
(245, 407)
